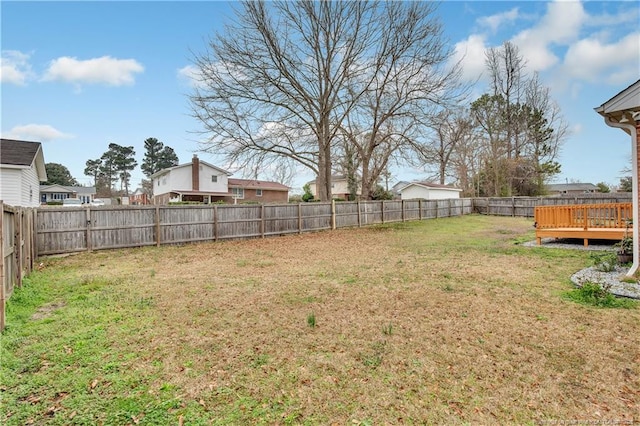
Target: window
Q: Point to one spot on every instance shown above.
(214, 178)
(258, 192)
(237, 193)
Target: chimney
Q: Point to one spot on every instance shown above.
(195, 173)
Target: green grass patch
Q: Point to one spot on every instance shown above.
(593, 294)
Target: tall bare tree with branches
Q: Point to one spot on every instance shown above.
(297, 79)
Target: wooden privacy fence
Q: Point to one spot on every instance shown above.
(18, 250)
(525, 206)
(67, 230)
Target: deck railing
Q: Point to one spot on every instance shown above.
(584, 216)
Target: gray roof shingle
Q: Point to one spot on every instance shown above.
(18, 153)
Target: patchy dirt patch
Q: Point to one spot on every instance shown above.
(47, 310)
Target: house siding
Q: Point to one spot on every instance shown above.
(179, 179)
(30, 187)
(418, 192)
(11, 180)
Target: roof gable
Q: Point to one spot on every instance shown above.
(23, 154)
(19, 153)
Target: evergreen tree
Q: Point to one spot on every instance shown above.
(157, 157)
(57, 174)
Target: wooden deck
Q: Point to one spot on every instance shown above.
(584, 221)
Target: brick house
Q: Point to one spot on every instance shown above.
(139, 198)
(623, 112)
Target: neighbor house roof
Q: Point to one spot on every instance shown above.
(429, 185)
(87, 190)
(257, 184)
(562, 187)
(23, 154)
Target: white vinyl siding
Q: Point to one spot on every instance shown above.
(19, 186)
(413, 192)
(10, 186)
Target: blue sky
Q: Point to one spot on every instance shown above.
(80, 75)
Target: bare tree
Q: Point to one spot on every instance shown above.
(521, 127)
(450, 130)
(274, 85)
(300, 79)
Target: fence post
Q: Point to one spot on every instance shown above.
(299, 218)
(333, 214)
(450, 212)
(359, 217)
(262, 220)
(88, 230)
(420, 209)
(17, 246)
(382, 205)
(402, 215)
(2, 268)
(215, 222)
(157, 225)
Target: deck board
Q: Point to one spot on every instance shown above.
(585, 234)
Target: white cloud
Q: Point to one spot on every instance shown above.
(35, 132)
(594, 60)
(494, 21)
(470, 53)
(105, 70)
(191, 75)
(14, 67)
(561, 25)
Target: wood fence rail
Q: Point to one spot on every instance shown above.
(66, 230)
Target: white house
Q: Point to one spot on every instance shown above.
(195, 181)
(428, 191)
(21, 171)
(623, 112)
(57, 193)
(339, 187)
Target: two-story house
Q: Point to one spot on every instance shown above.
(199, 181)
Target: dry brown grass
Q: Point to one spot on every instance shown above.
(445, 321)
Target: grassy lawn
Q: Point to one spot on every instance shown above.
(446, 321)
